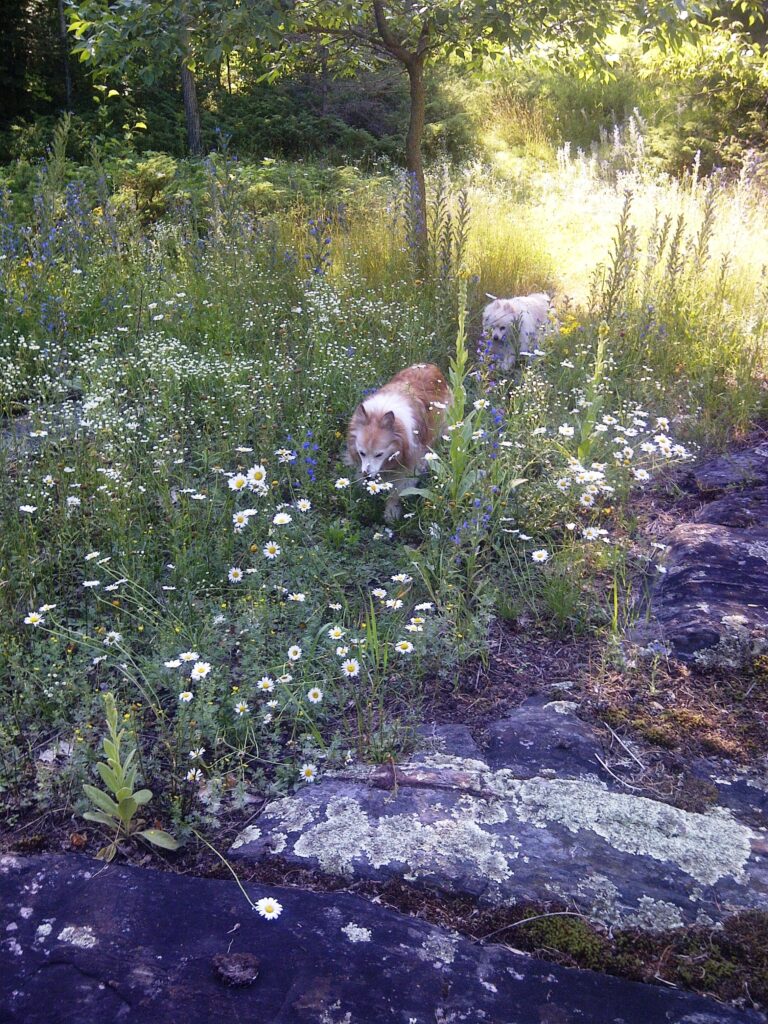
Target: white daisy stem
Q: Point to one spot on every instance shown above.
(227, 865)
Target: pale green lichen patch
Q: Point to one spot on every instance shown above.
(758, 549)
(705, 846)
(654, 916)
(356, 933)
(293, 814)
(732, 650)
(248, 835)
(438, 949)
(78, 935)
(456, 764)
(451, 844)
(562, 707)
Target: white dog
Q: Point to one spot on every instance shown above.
(512, 326)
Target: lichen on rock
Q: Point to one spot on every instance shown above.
(707, 847)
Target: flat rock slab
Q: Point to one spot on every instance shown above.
(742, 509)
(83, 942)
(712, 604)
(748, 466)
(546, 830)
(543, 737)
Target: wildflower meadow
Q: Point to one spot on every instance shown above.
(181, 535)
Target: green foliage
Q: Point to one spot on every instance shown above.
(118, 774)
(172, 323)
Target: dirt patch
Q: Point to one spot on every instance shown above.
(691, 712)
(521, 662)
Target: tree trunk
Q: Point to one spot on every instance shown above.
(191, 111)
(323, 80)
(189, 93)
(413, 157)
(65, 54)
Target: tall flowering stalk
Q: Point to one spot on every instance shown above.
(594, 396)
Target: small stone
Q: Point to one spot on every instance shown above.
(236, 968)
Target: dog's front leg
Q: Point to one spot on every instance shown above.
(394, 508)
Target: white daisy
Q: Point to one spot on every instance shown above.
(238, 482)
(269, 909)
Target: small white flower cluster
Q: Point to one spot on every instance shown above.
(199, 670)
(254, 480)
(591, 480)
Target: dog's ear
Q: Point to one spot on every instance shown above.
(388, 420)
(360, 413)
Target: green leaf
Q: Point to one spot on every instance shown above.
(112, 92)
(160, 838)
(142, 796)
(128, 808)
(108, 777)
(101, 817)
(140, 124)
(107, 853)
(101, 800)
(422, 492)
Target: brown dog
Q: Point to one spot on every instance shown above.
(391, 431)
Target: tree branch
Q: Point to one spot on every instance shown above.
(392, 44)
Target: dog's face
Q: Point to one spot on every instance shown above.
(501, 321)
(501, 328)
(374, 444)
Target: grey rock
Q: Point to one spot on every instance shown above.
(712, 603)
(544, 736)
(546, 829)
(742, 790)
(83, 942)
(736, 468)
(456, 739)
(742, 509)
